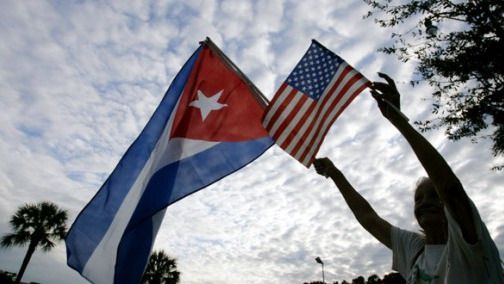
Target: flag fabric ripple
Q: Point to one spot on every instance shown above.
(207, 126)
(319, 88)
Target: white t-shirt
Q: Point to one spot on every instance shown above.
(456, 262)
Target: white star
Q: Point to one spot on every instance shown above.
(207, 104)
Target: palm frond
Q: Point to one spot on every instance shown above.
(18, 239)
(46, 245)
(42, 223)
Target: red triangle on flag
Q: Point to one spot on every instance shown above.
(217, 105)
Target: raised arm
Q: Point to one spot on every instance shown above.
(448, 186)
(361, 209)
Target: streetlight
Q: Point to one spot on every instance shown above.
(317, 259)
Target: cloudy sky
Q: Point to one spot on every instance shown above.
(79, 80)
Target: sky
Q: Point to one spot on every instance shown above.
(79, 80)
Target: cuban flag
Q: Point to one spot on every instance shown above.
(207, 126)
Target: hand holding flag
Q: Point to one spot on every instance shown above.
(387, 96)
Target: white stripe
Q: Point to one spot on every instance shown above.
(275, 106)
(181, 148)
(157, 219)
(100, 266)
(324, 107)
(289, 149)
(308, 143)
(332, 115)
(292, 124)
(286, 112)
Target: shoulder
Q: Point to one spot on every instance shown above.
(481, 256)
(455, 230)
(460, 210)
(456, 227)
(406, 238)
(406, 247)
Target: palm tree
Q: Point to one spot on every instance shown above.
(39, 225)
(161, 269)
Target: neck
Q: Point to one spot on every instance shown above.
(437, 237)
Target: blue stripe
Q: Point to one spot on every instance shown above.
(131, 262)
(95, 219)
(172, 183)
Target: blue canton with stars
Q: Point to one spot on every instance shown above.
(315, 70)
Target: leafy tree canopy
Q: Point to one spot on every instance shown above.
(458, 46)
(7, 277)
(390, 278)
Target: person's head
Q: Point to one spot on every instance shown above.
(429, 210)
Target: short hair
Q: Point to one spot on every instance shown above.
(426, 181)
(422, 181)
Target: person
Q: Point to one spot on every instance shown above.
(455, 246)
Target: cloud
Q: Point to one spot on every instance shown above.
(79, 80)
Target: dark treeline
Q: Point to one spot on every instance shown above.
(391, 278)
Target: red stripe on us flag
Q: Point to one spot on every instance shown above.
(353, 88)
(347, 80)
(322, 108)
(299, 122)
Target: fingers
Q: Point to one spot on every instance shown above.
(384, 87)
(321, 166)
(380, 91)
(324, 167)
(386, 95)
(380, 85)
(385, 91)
(384, 76)
(389, 80)
(377, 96)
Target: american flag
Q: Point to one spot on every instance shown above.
(319, 88)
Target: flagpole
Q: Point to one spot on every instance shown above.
(257, 93)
